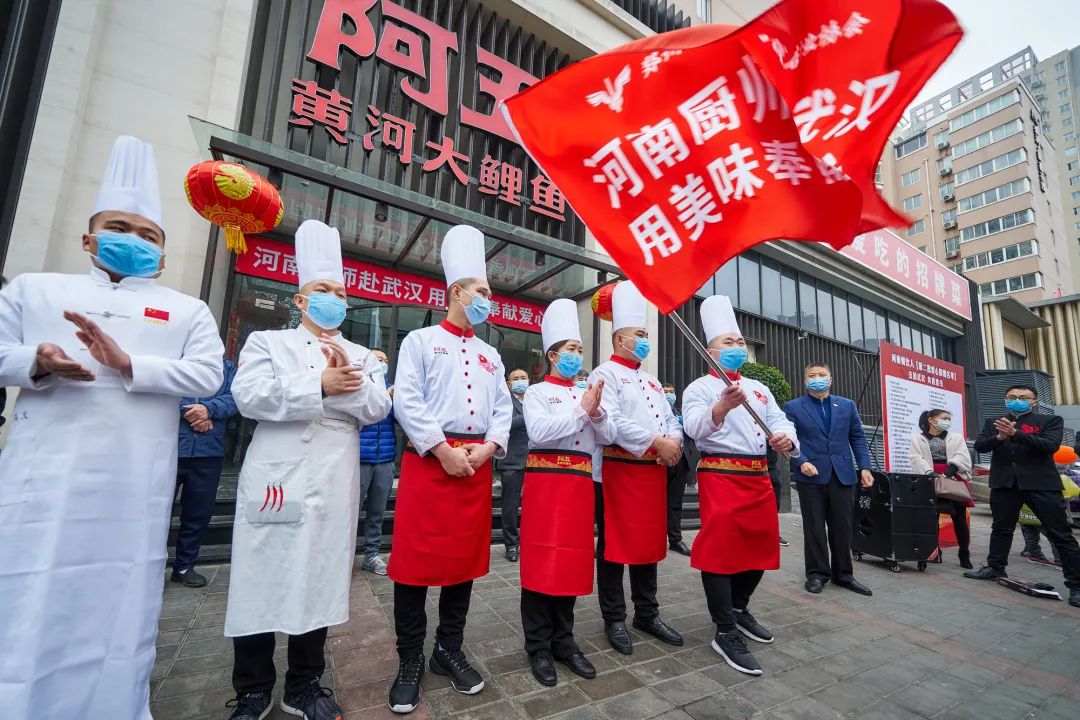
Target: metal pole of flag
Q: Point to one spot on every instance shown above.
(719, 371)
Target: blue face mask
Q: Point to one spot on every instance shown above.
(732, 358)
(478, 310)
(1018, 407)
(127, 254)
(581, 384)
(642, 346)
(384, 366)
(326, 310)
(569, 364)
(818, 384)
(519, 386)
(670, 397)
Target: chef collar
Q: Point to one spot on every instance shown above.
(127, 283)
(558, 381)
(733, 376)
(304, 329)
(632, 364)
(455, 330)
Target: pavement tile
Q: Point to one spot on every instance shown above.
(688, 688)
(806, 678)
(637, 705)
(448, 701)
(723, 706)
(804, 708)
(184, 685)
(664, 668)
(550, 702)
(205, 647)
(766, 691)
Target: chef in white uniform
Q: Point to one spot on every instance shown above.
(739, 538)
(631, 490)
(452, 403)
(89, 471)
(298, 498)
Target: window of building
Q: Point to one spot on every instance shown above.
(789, 298)
(966, 92)
(770, 290)
(1048, 129)
(1001, 255)
(1067, 122)
(808, 310)
(922, 249)
(1011, 285)
(944, 103)
(840, 316)
(994, 195)
(1014, 360)
(727, 280)
(1076, 195)
(749, 285)
(941, 138)
(1074, 180)
(944, 165)
(825, 312)
(986, 81)
(1068, 137)
(993, 165)
(1040, 76)
(980, 111)
(704, 10)
(952, 245)
(1061, 80)
(917, 227)
(958, 268)
(1063, 94)
(925, 112)
(1059, 66)
(913, 202)
(855, 321)
(1066, 109)
(948, 215)
(911, 145)
(909, 178)
(1000, 224)
(987, 138)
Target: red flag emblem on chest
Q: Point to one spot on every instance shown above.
(155, 315)
(682, 150)
(485, 363)
(761, 397)
(1031, 429)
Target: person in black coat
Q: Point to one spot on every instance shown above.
(1022, 471)
(512, 467)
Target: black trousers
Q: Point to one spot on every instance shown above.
(511, 480)
(1053, 513)
(410, 617)
(253, 661)
(826, 515)
(197, 482)
(726, 593)
(548, 622)
(676, 490)
(609, 577)
(958, 513)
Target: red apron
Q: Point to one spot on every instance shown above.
(635, 507)
(557, 503)
(739, 527)
(442, 524)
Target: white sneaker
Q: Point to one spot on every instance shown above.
(374, 564)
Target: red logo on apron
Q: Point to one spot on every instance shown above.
(761, 396)
(1031, 429)
(485, 363)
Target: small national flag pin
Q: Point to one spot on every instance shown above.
(156, 316)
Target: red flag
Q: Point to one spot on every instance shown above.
(681, 150)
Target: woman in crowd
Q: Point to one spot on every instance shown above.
(936, 450)
(565, 424)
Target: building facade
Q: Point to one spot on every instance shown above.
(980, 182)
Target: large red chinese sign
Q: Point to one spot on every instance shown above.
(277, 261)
(421, 48)
(886, 254)
(682, 150)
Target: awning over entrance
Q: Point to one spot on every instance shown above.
(401, 228)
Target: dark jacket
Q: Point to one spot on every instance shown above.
(221, 407)
(828, 451)
(378, 442)
(517, 448)
(1026, 460)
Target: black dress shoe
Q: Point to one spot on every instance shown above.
(814, 585)
(579, 665)
(543, 668)
(619, 637)
(1074, 597)
(190, 578)
(854, 586)
(659, 630)
(985, 573)
(512, 554)
(680, 547)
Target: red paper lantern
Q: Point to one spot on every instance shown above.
(601, 301)
(235, 198)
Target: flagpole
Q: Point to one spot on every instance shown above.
(719, 371)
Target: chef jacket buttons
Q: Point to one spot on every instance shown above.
(468, 387)
(469, 428)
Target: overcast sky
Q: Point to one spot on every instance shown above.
(995, 29)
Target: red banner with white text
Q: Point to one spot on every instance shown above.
(681, 150)
(277, 261)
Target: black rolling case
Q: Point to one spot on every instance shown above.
(897, 520)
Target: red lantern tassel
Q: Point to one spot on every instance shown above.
(234, 239)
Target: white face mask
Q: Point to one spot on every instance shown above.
(944, 425)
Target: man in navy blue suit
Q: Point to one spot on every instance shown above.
(830, 431)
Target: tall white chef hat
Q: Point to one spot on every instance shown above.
(718, 317)
(318, 253)
(627, 306)
(130, 183)
(463, 254)
(560, 322)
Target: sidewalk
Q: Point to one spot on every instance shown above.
(926, 645)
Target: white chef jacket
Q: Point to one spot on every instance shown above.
(555, 420)
(738, 434)
(635, 400)
(308, 447)
(450, 381)
(86, 488)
